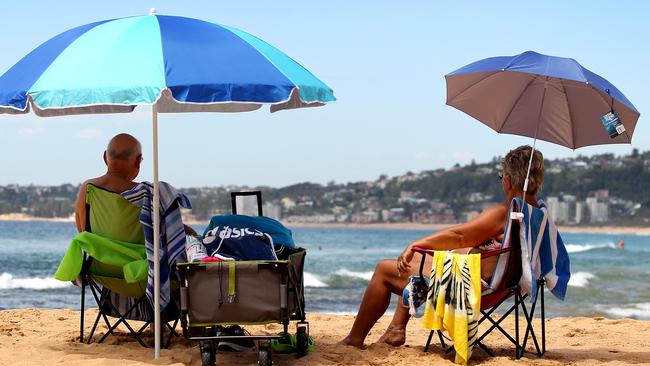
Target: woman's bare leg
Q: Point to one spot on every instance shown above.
(395, 334)
(375, 301)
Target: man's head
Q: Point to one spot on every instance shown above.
(515, 165)
(123, 155)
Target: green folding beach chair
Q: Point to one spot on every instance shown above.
(115, 226)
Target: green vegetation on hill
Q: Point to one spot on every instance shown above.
(429, 195)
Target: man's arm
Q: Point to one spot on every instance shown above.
(80, 208)
(189, 230)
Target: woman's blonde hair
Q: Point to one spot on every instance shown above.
(515, 165)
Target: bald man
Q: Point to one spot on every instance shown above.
(122, 157)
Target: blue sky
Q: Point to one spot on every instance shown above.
(385, 60)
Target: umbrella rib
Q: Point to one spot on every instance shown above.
(515, 104)
(568, 106)
(612, 107)
(471, 86)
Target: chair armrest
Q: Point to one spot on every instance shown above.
(492, 253)
(424, 251)
(489, 254)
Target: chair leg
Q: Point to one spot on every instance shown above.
(518, 300)
(92, 329)
(122, 319)
(541, 292)
(485, 348)
(442, 339)
(172, 333)
(101, 301)
(83, 302)
(495, 324)
(529, 328)
(426, 346)
(143, 327)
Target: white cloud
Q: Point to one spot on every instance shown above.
(463, 157)
(445, 157)
(90, 133)
(31, 131)
(425, 156)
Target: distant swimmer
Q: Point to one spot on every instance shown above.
(620, 245)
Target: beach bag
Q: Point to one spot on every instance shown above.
(228, 243)
(280, 234)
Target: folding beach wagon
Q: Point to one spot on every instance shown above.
(214, 294)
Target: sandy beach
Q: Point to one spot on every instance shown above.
(38, 336)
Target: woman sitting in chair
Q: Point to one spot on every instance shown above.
(482, 233)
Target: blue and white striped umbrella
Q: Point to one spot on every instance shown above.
(180, 63)
(174, 64)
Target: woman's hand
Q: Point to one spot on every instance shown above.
(404, 260)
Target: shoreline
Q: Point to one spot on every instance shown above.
(627, 230)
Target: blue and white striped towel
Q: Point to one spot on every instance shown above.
(172, 233)
(543, 254)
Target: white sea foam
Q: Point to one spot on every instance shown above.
(577, 248)
(347, 273)
(311, 280)
(337, 312)
(8, 282)
(580, 279)
(638, 311)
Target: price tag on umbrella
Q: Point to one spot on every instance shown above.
(612, 124)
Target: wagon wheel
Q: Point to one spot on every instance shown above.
(302, 341)
(264, 355)
(208, 353)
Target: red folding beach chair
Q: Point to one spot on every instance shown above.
(498, 297)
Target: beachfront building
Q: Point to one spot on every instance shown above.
(580, 212)
(396, 214)
(272, 210)
(366, 217)
(558, 209)
(598, 211)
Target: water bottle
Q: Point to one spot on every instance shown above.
(194, 249)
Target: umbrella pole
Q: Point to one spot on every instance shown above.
(532, 152)
(156, 236)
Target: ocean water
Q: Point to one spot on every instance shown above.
(605, 281)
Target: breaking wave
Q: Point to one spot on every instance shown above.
(311, 280)
(8, 282)
(638, 311)
(580, 279)
(340, 278)
(577, 248)
(360, 275)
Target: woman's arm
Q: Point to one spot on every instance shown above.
(487, 225)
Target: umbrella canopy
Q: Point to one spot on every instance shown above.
(183, 64)
(549, 98)
(174, 64)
